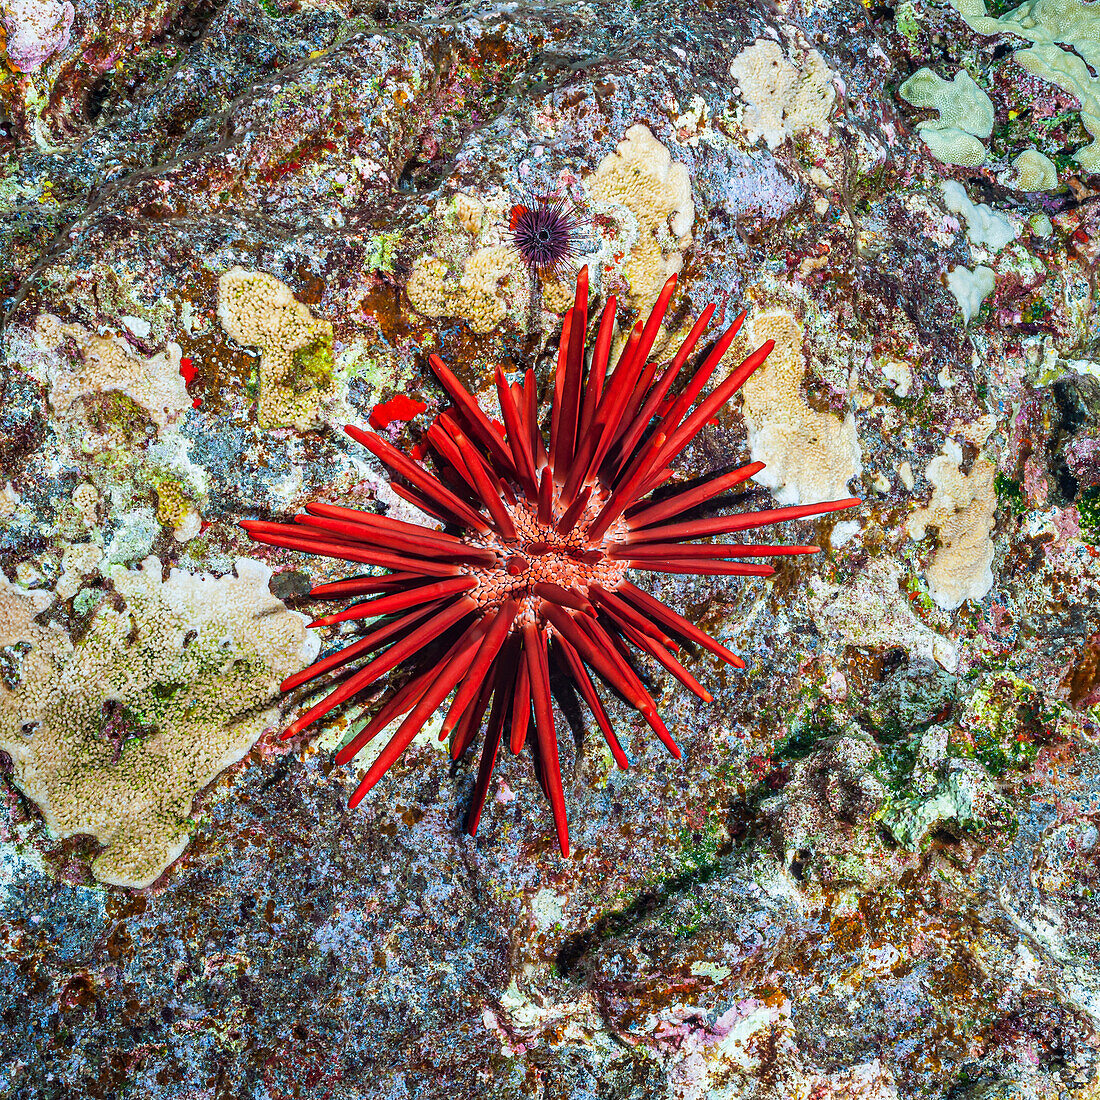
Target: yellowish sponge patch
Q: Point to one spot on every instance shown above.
(961, 508)
(641, 176)
(175, 510)
(783, 97)
(108, 365)
(296, 349)
(114, 736)
(809, 455)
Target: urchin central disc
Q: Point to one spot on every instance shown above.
(540, 556)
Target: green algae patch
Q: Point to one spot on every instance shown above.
(314, 363)
(807, 731)
(1088, 515)
(383, 252)
(1009, 495)
(1005, 722)
(909, 820)
(942, 791)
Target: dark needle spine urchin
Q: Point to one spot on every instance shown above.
(539, 539)
(544, 232)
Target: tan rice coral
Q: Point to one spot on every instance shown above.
(9, 501)
(86, 501)
(107, 364)
(296, 356)
(114, 736)
(810, 455)
(962, 509)
(642, 176)
(492, 284)
(783, 97)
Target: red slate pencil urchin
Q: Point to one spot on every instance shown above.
(532, 564)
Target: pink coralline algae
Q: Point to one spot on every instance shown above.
(541, 531)
(35, 30)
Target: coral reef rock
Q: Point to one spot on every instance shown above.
(229, 228)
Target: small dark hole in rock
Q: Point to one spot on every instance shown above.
(800, 863)
(407, 180)
(894, 659)
(96, 97)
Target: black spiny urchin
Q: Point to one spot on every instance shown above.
(544, 231)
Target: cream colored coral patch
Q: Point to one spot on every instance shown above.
(783, 97)
(961, 508)
(296, 350)
(115, 735)
(108, 365)
(641, 176)
(809, 456)
(493, 284)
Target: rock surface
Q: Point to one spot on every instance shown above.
(875, 872)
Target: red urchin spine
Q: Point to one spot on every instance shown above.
(541, 534)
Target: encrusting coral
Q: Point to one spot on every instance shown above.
(984, 226)
(961, 509)
(493, 281)
(782, 98)
(641, 175)
(1064, 50)
(965, 115)
(638, 185)
(1035, 171)
(542, 572)
(108, 365)
(296, 354)
(808, 455)
(176, 511)
(970, 287)
(114, 735)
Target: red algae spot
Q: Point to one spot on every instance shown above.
(188, 371)
(399, 408)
